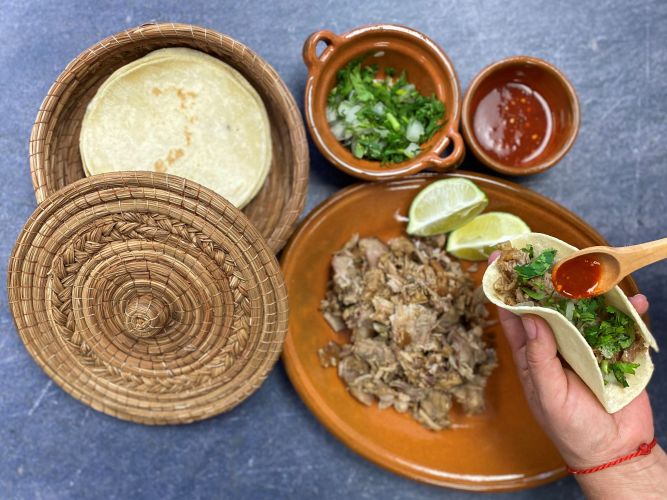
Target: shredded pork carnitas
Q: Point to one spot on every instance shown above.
(416, 322)
(508, 281)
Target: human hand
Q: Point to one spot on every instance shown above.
(582, 430)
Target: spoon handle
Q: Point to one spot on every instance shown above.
(637, 256)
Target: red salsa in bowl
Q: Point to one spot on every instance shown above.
(520, 116)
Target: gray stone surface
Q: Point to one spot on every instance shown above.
(54, 447)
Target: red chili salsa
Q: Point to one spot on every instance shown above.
(577, 278)
(513, 124)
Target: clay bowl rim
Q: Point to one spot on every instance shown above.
(56, 98)
(558, 77)
(428, 158)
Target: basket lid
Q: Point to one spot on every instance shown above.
(148, 297)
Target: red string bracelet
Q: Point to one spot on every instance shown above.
(644, 449)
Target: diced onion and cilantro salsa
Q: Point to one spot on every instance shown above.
(611, 333)
(384, 119)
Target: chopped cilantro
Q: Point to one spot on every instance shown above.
(538, 267)
(604, 366)
(533, 294)
(606, 329)
(381, 119)
(529, 250)
(619, 370)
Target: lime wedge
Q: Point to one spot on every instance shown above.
(445, 205)
(478, 238)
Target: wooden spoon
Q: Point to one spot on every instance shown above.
(596, 270)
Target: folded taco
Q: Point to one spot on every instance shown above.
(602, 338)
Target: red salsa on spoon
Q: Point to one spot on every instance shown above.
(577, 278)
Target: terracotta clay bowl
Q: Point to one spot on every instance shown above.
(55, 161)
(387, 46)
(551, 84)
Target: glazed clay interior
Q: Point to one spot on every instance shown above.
(546, 83)
(386, 49)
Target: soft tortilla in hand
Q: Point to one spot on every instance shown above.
(183, 112)
(571, 344)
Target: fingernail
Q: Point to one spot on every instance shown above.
(494, 255)
(530, 327)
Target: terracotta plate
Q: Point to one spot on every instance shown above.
(503, 449)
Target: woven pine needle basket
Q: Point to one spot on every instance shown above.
(55, 161)
(148, 297)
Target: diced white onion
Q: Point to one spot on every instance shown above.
(350, 113)
(414, 131)
(411, 150)
(378, 109)
(331, 114)
(338, 129)
(344, 107)
(569, 310)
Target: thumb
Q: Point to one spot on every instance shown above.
(640, 303)
(544, 366)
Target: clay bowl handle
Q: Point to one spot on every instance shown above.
(451, 161)
(310, 56)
